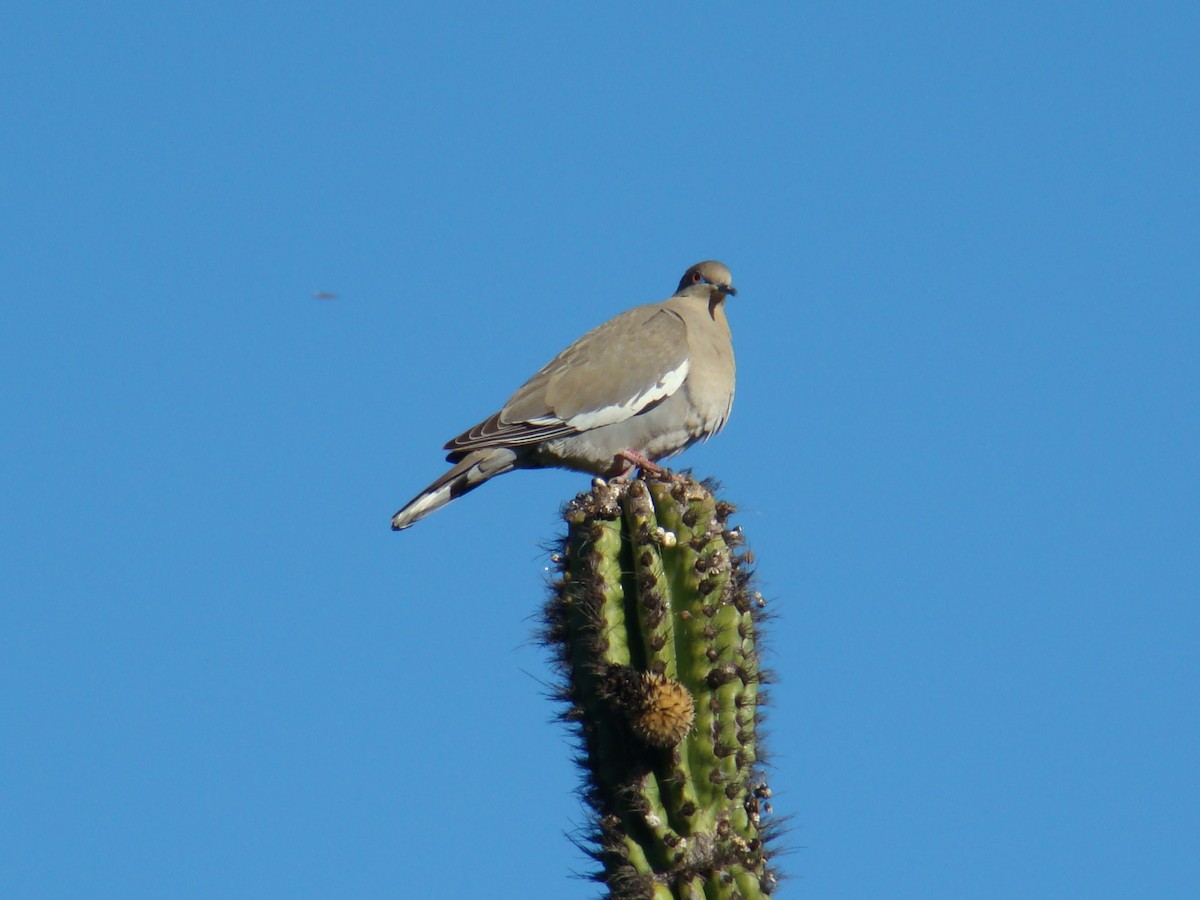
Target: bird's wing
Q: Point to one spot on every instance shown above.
(624, 367)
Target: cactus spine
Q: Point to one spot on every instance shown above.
(654, 624)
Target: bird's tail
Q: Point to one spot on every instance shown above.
(473, 470)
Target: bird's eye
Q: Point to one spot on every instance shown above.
(696, 278)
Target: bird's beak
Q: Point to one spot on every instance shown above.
(729, 289)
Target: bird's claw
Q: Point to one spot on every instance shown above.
(634, 460)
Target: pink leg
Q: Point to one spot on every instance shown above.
(633, 459)
(622, 469)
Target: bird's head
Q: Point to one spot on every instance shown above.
(710, 277)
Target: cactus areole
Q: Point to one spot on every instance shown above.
(653, 622)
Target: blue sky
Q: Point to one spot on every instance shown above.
(967, 243)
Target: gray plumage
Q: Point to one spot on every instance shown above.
(643, 386)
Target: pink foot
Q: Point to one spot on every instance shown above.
(633, 460)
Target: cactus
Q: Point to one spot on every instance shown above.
(654, 626)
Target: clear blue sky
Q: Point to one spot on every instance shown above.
(965, 441)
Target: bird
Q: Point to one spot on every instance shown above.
(642, 387)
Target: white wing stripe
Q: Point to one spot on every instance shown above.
(667, 385)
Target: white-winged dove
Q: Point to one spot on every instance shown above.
(640, 388)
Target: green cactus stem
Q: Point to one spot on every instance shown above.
(654, 626)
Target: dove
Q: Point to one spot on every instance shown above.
(640, 388)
